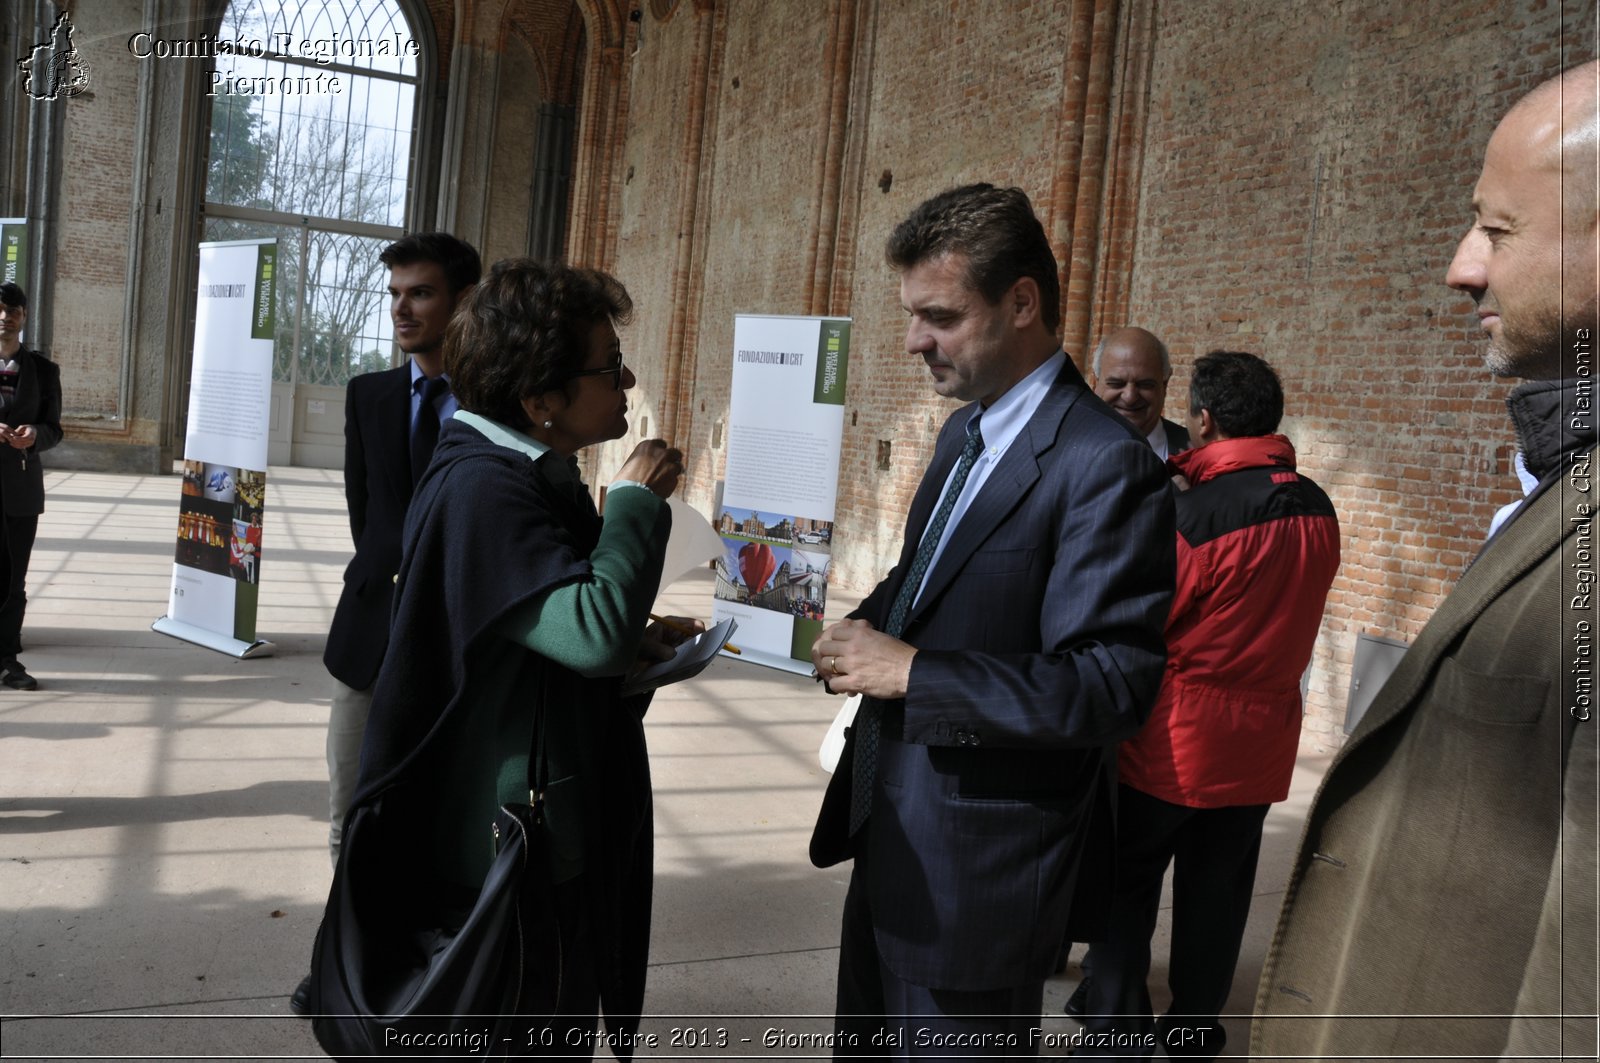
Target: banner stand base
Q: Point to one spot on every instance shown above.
(213, 640)
(768, 660)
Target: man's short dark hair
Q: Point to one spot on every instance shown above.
(524, 331)
(996, 229)
(458, 259)
(13, 295)
(1241, 390)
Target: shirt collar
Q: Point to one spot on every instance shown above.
(1158, 438)
(417, 374)
(1004, 419)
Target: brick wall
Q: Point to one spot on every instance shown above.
(1286, 178)
(93, 226)
(1305, 172)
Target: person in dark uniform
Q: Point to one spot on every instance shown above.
(30, 422)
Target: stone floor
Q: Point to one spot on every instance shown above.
(163, 860)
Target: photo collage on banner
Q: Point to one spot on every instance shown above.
(216, 573)
(785, 426)
(219, 520)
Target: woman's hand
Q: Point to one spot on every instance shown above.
(655, 465)
(662, 638)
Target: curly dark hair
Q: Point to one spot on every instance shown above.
(13, 295)
(998, 232)
(1241, 390)
(524, 331)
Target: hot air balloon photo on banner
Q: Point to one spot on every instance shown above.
(785, 424)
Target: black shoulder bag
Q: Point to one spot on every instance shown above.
(397, 971)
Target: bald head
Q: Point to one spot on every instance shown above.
(1131, 369)
(1558, 124)
(1529, 259)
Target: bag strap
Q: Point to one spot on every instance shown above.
(541, 753)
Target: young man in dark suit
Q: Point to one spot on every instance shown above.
(1018, 639)
(391, 422)
(1131, 369)
(30, 422)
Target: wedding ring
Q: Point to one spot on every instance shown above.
(833, 665)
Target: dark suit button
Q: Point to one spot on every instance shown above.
(961, 738)
(974, 738)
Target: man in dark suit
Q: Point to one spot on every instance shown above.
(1131, 371)
(391, 422)
(1018, 639)
(30, 421)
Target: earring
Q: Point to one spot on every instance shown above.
(549, 424)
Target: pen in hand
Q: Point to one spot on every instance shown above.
(664, 622)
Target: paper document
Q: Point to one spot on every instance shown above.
(690, 660)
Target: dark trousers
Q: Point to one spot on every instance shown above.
(882, 1016)
(16, 536)
(1213, 852)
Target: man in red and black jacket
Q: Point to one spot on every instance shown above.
(1258, 546)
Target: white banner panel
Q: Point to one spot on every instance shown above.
(217, 569)
(785, 426)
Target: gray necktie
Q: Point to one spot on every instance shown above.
(869, 720)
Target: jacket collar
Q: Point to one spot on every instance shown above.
(1230, 455)
(1545, 433)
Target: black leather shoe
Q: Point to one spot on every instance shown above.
(300, 999)
(17, 678)
(1078, 1001)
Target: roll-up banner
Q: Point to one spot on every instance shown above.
(216, 573)
(785, 426)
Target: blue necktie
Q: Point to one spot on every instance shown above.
(425, 432)
(869, 720)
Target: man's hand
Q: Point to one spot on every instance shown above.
(662, 638)
(22, 438)
(852, 657)
(655, 465)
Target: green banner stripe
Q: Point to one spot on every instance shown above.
(14, 252)
(833, 361)
(264, 311)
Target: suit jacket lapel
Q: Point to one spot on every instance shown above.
(24, 404)
(1002, 492)
(394, 423)
(923, 503)
(1533, 536)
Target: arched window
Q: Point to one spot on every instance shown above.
(313, 141)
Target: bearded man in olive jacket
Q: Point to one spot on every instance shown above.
(1443, 900)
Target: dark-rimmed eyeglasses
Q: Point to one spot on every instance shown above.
(615, 372)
